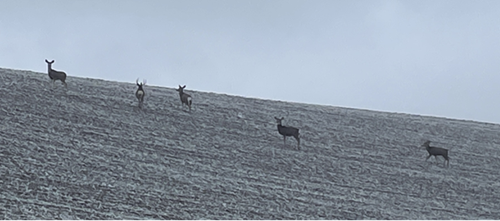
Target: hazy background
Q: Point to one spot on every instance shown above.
(437, 58)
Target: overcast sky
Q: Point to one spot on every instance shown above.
(438, 58)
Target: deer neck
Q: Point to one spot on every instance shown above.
(49, 68)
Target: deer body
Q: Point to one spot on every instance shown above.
(55, 75)
(139, 94)
(436, 151)
(185, 98)
(287, 131)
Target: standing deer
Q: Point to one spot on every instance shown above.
(140, 92)
(436, 151)
(56, 75)
(287, 131)
(185, 98)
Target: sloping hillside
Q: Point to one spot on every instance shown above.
(88, 152)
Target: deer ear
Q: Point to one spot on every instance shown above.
(282, 118)
(46, 61)
(184, 86)
(276, 118)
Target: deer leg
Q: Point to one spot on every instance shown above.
(428, 157)
(284, 140)
(298, 141)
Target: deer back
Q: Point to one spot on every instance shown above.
(139, 94)
(57, 75)
(437, 151)
(288, 131)
(185, 97)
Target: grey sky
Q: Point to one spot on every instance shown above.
(438, 58)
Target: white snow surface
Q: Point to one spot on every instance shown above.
(89, 152)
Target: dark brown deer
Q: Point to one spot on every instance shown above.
(287, 131)
(140, 92)
(185, 98)
(56, 75)
(436, 151)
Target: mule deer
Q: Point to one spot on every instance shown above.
(140, 92)
(436, 151)
(287, 131)
(56, 75)
(185, 98)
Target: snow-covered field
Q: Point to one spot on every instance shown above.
(88, 152)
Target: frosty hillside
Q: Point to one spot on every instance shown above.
(89, 152)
